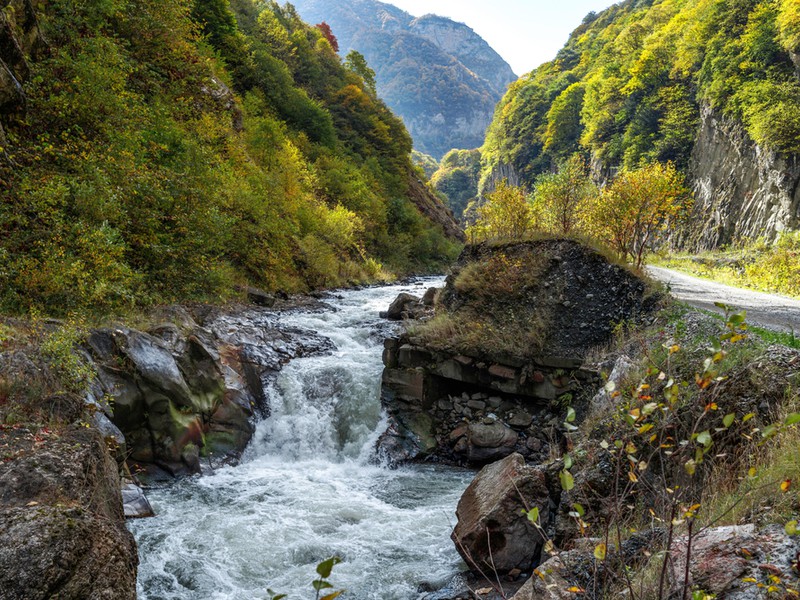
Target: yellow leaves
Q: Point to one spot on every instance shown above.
(786, 485)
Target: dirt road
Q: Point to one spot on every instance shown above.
(765, 310)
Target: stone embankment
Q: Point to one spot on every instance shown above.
(461, 406)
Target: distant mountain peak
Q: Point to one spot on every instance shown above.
(437, 74)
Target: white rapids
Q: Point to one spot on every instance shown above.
(308, 489)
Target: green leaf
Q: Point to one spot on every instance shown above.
(649, 408)
(533, 515)
(792, 419)
(579, 509)
(690, 466)
(704, 438)
(326, 566)
(791, 528)
(567, 462)
(332, 596)
(769, 431)
(728, 420)
(320, 584)
(567, 480)
(570, 414)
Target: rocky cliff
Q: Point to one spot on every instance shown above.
(439, 76)
(742, 190)
(711, 87)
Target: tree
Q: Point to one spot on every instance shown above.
(561, 200)
(506, 215)
(328, 34)
(356, 63)
(637, 206)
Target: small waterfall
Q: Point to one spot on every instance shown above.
(308, 489)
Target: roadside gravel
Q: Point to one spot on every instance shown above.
(765, 310)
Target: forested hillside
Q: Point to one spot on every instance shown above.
(711, 85)
(163, 151)
(440, 76)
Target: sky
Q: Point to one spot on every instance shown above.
(525, 33)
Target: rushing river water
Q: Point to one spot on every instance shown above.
(307, 489)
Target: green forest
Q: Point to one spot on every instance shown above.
(174, 151)
(630, 84)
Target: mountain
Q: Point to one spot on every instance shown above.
(439, 76)
(154, 152)
(713, 86)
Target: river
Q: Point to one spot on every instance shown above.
(308, 488)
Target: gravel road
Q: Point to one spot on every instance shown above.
(765, 310)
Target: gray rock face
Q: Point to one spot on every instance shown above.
(492, 533)
(61, 521)
(742, 191)
(439, 76)
(184, 394)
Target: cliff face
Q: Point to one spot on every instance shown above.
(471, 50)
(439, 76)
(741, 189)
(712, 87)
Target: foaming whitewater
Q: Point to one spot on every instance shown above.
(308, 488)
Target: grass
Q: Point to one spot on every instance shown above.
(493, 314)
(772, 268)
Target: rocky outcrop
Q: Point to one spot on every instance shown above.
(742, 191)
(734, 562)
(474, 405)
(461, 410)
(181, 392)
(439, 76)
(493, 533)
(61, 519)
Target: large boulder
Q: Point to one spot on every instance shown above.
(182, 394)
(493, 533)
(61, 519)
(405, 306)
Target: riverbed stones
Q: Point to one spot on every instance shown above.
(490, 442)
(493, 533)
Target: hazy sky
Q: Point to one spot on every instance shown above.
(524, 32)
